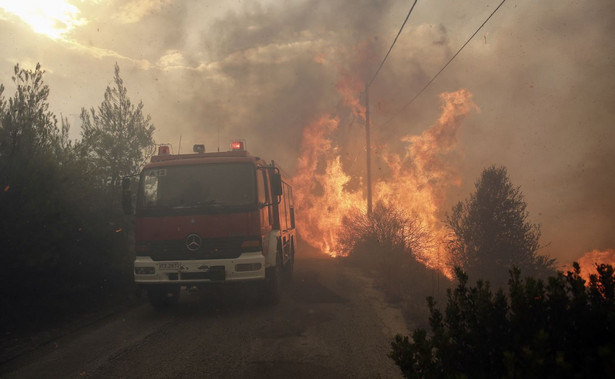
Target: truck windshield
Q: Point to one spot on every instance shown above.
(212, 185)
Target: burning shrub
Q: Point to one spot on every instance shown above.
(559, 329)
(389, 244)
(387, 232)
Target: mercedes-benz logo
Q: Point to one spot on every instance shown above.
(193, 242)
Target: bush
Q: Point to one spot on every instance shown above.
(65, 247)
(386, 244)
(559, 329)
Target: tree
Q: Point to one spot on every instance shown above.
(27, 128)
(118, 136)
(491, 232)
(29, 140)
(62, 247)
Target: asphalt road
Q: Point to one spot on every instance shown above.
(330, 323)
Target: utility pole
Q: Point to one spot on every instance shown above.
(368, 153)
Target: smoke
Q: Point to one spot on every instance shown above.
(208, 71)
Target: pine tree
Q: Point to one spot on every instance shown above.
(491, 231)
(117, 137)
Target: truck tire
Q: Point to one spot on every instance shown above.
(272, 284)
(163, 296)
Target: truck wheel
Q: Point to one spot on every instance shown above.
(272, 286)
(163, 296)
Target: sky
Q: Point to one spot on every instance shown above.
(541, 73)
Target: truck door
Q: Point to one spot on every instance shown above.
(264, 201)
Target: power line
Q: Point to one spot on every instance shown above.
(393, 44)
(442, 69)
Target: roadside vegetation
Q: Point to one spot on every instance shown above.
(521, 319)
(559, 328)
(65, 242)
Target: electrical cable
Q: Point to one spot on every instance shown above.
(442, 69)
(393, 44)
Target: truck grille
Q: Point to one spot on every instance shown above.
(219, 248)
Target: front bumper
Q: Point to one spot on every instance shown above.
(248, 266)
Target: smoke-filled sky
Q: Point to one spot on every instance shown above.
(542, 74)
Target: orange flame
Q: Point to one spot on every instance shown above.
(421, 176)
(320, 195)
(589, 260)
(418, 180)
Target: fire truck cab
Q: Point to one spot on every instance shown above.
(203, 218)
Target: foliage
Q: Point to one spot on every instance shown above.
(118, 136)
(387, 229)
(28, 127)
(491, 231)
(389, 244)
(62, 245)
(559, 329)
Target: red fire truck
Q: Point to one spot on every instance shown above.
(203, 218)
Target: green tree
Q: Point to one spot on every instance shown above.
(62, 246)
(27, 128)
(491, 231)
(117, 137)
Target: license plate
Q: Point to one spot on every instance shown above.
(169, 266)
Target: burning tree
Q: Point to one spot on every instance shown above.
(491, 231)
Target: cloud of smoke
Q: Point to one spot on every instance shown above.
(541, 74)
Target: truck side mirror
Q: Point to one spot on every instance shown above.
(126, 196)
(276, 184)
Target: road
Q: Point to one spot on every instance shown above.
(330, 323)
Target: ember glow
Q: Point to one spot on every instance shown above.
(589, 260)
(416, 180)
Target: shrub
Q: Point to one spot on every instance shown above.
(386, 244)
(559, 329)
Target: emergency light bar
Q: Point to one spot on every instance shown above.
(238, 145)
(164, 150)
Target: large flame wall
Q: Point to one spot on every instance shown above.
(417, 178)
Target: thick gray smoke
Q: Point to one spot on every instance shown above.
(541, 73)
